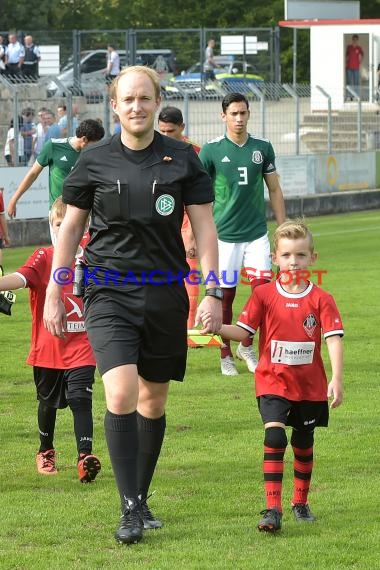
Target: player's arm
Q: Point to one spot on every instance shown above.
(335, 387)
(203, 225)
(25, 183)
(234, 332)
(189, 242)
(11, 282)
(4, 229)
(69, 236)
(275, 196)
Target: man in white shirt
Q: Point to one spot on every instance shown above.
(14, 55)
(113, 64)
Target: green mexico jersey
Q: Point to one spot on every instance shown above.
(60, 157)
(237, 173)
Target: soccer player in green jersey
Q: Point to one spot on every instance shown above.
(238, 164)
(60, 155)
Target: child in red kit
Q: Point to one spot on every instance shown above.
(63, 369)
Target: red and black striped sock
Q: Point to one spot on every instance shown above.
(303, 466)
(275, 443)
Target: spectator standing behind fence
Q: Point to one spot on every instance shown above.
(40, 134)
(2, 54)
(238, 163)
(209, 64)
(354, 57)
(53, 130)
(63, 121)
(170, 123)
(113, 64)
(60, 156)
(14, 55)
(31, 59)
(9, 147)
(28, 130)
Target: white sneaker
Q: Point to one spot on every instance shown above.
(227, 366)
(246, 353)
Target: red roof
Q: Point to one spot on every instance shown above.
(309, 23)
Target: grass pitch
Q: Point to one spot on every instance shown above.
(209, 479)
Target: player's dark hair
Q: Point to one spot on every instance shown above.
(91, 129)
(234, 98)
(171, 114)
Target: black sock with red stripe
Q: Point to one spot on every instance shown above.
(275, 443)
(302, 444)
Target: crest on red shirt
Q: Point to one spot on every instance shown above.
(309, 325)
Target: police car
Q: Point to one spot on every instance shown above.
(230, 75)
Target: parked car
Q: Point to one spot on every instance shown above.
(92, 81)
(230, 75)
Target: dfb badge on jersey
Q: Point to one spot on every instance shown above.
(165, 205)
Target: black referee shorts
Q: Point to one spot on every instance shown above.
(143, 325)
(55, 386)
(303, 416)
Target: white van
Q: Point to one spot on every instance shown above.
(92, 81)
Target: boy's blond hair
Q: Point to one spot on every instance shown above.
(58, 209)
(151, 73)
(293, 229)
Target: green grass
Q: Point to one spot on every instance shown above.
(209, 480)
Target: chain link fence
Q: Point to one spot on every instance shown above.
(289, 115)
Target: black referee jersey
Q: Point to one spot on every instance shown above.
(137, 199)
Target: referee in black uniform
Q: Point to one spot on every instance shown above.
(136, 185)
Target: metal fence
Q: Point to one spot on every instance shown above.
(187, 44)
(292, 117)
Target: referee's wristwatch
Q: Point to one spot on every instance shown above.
(214, 292)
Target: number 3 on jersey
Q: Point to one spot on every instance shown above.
(243, 175)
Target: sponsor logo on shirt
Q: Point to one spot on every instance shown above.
(74, 314)
(63, 158)
(292, 353)
(291, 305)
(225, 159)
